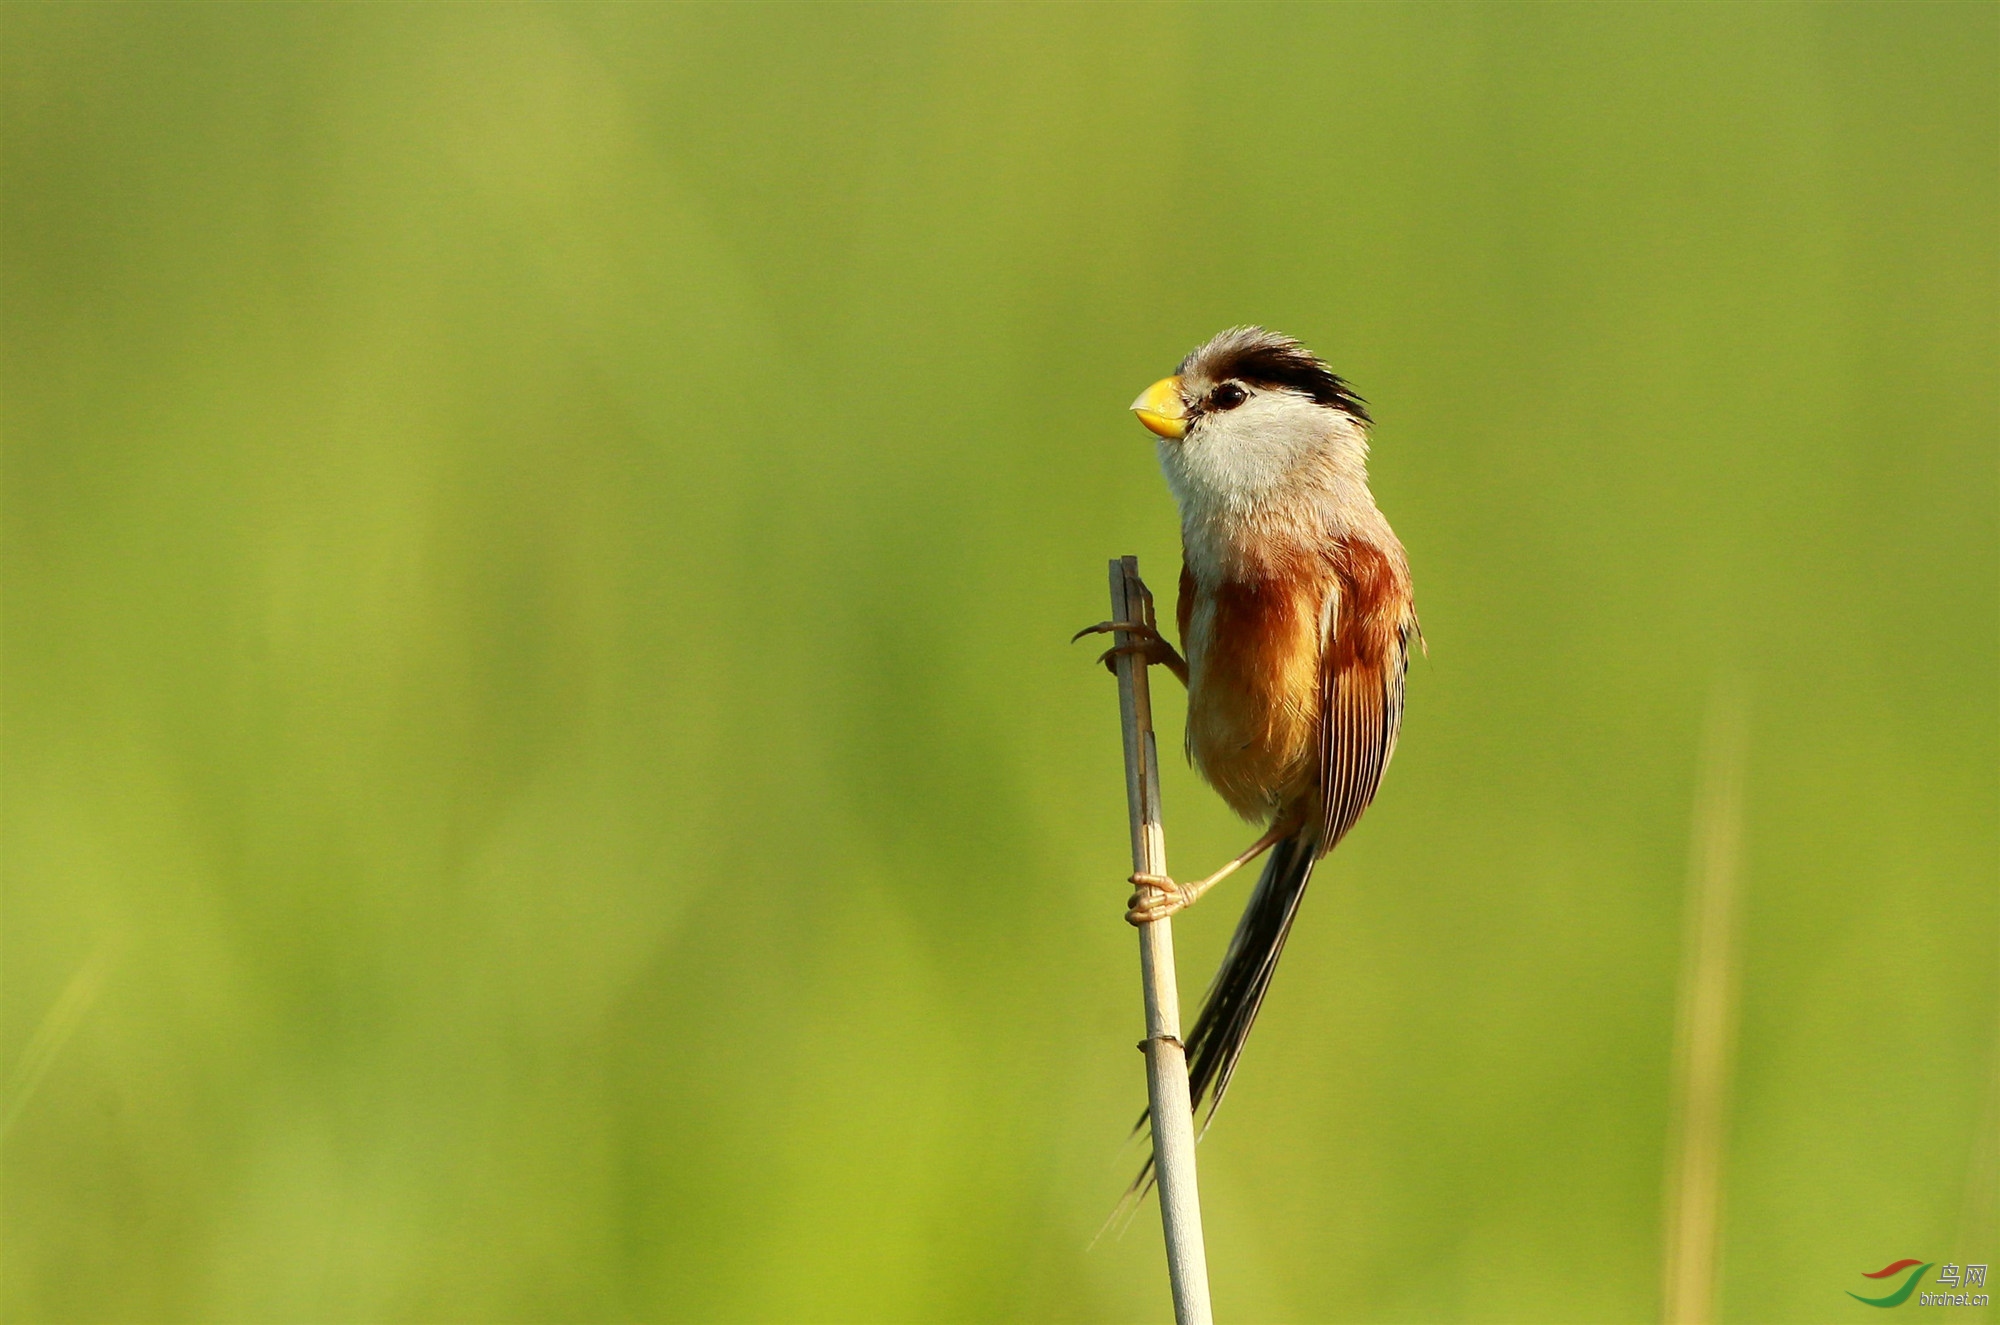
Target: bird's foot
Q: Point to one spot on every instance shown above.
(1147, 644)
(1158, 897)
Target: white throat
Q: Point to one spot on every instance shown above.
(1277, 472)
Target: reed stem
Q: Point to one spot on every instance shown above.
(1166, 1057)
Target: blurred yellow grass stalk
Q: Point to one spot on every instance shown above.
(1979, 1216)
(1705, 1029)
(58, 1024)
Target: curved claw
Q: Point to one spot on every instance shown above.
(1106, 627)
(1144, 642)
(1158, 897)
(1148, 651)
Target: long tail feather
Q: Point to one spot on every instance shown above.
(1230, 1008)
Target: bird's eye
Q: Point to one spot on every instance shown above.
(1227, 396)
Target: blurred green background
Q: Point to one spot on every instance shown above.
(543, 776)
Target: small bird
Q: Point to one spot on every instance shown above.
(1296, 613)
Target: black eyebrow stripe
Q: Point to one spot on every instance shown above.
(1266, 359)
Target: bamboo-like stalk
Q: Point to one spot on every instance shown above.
(1166, 1057)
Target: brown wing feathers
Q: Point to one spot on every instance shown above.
(1361, 707)
(1361, 685)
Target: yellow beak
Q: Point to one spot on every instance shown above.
(1161, 409)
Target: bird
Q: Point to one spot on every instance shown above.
(1296, 616)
